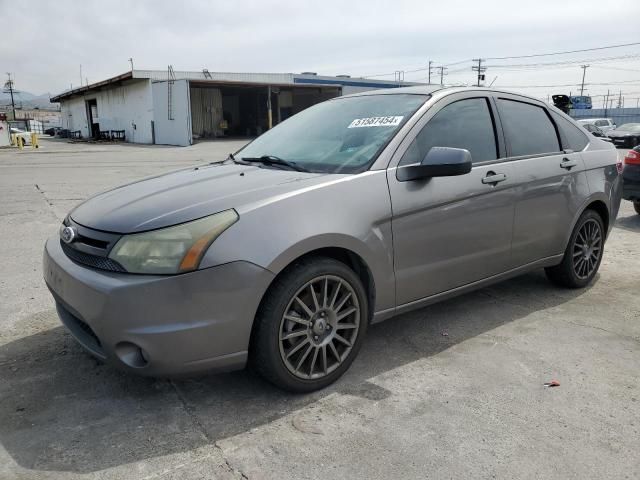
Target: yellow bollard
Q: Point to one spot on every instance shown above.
(20, 142)
(13, 139)
(34, 140)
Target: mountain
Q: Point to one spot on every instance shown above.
(26, 100)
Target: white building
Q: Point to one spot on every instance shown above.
(178, 108)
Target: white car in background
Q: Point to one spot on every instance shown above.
(604, 124)
(25, 136)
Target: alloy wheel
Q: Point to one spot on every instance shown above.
(587, 249)
(319, 327)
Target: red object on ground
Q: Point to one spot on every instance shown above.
(552, 383)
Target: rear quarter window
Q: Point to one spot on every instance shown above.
(572, 137)
(528, 128)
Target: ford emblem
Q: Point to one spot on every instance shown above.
(68, 234)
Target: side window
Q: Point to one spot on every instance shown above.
(602, 123)
(528, 128)
(463, 124)
(572, 136)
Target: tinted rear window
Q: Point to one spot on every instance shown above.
(528, 128)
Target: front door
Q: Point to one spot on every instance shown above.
(452, 231)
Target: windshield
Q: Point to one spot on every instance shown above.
(630, 127)
(343, 135)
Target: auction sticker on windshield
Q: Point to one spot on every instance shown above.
(376, 122)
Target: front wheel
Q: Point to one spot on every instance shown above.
(636, 206)
(310, 325)
(583, 254)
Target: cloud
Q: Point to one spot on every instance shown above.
(358, 37)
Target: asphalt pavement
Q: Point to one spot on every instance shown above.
(455, 390)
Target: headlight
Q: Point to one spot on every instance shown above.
(169, 250)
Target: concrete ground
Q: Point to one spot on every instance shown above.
(451, 391)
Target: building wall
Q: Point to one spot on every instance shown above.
(128, 107)
(177, 130)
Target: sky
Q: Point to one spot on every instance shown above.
(46, 46)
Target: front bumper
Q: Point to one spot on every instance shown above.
(631, 182)
(158, 325)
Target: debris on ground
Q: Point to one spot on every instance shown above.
(552, 383)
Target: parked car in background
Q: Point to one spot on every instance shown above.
(23, 136)
(627, 135)
(596, 132)
(631, 177)
(352, 211)
(52, 131)
(604, 124)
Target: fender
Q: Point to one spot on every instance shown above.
(594, 197)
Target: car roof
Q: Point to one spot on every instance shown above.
(592, 119)
(431, 89)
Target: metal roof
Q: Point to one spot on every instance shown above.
(275, 79)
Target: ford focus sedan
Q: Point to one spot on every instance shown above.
(348, 213)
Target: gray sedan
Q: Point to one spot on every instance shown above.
(349, 213)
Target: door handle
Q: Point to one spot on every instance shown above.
(568, 163)
(494, 178)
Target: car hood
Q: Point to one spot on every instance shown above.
(621, 133)
(185, 195)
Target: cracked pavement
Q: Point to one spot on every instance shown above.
(454, 390)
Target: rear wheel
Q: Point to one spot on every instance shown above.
(310, 326)
(636, 206)
(583, 254)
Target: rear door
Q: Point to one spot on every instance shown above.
(451, 231)
(548, 173)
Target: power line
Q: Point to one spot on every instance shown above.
(564, 62)
(526, 56)
(566, 52)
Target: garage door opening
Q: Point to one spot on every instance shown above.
(232, 111)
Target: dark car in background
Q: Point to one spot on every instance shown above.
(627, 135)
(631, 178)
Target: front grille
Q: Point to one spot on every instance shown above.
(94, 261)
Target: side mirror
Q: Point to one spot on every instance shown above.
(439, 162)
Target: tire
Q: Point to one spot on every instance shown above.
(636, 206)
(298, 349)
(583, 254)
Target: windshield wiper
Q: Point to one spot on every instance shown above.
(273, 160)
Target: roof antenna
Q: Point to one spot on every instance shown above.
(495, 78)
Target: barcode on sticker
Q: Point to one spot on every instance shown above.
(376, 122)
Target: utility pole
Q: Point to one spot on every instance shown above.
(584, 71)
(430, 68)
(441, 71)
(620, 100)
(9, 85)
(480, 69)
(80, 74)
(606, 101)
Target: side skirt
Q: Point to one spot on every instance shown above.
(454, 292)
